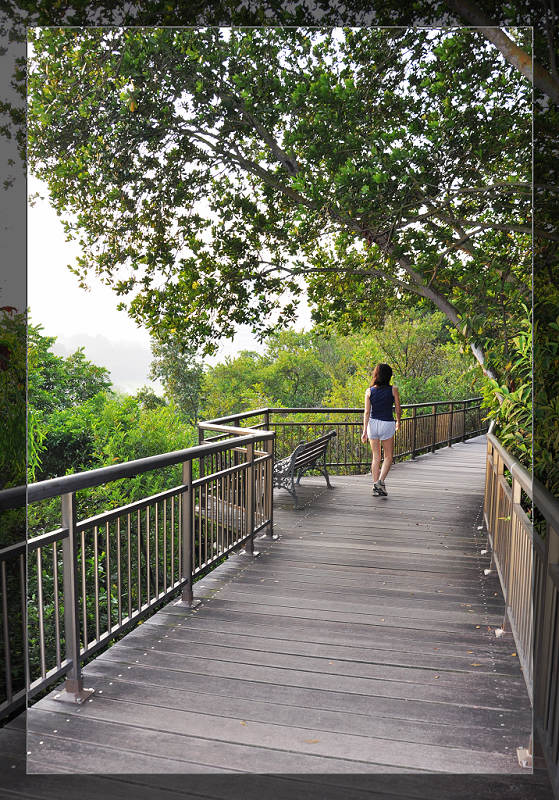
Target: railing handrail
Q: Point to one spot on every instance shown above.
(238, 415)
(359, 409)
(517, 470)
(53, 487)
(546, 503)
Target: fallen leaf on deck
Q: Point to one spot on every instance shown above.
(475, 664)
(513, 654)
(312, 741)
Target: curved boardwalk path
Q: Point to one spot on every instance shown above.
(352, 658)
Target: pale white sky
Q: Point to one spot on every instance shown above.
(90, 318)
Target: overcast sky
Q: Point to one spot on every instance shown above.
(90, 318)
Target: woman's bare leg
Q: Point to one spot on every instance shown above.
(388, 447)
(375, 466)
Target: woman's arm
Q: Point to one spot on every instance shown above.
(366, 414)
(396, 394)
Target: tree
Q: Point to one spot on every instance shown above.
(284, 134)
(58, 388)
(148, 398)
(428, 365)
(300, 367)
(231, 386)
(180, 371)
(56, 382)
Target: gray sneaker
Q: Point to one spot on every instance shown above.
(381, 488)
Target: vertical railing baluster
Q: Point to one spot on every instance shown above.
(118, 573)
(148, 562)
(249, 477)
(157, 549)
(84, 591)
(96, 580)
(139, 558)
(108, 575)
(74, 681)
(201, 464)
(6, 631)
(204, 489)
(172, 542)
(270, 487)
(199, 525)
(187, 518)
(41, 611)
(164, 546)
(450, 424)
(434, 442)
(179, 536)
(129, 562)
(23, 595)
(413, 431)
(56, 603)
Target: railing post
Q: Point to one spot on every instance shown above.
(464, 423)
(270, 486)
(249, 511)
(74, 689)
(434, 442)
(450, 424)
(201, 459)
(187, 535)
(413, 431)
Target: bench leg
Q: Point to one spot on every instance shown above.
(325, 473)
(294, 493)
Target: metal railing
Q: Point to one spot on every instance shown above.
(508, 487)
(425, 427)
(90, 580)
(526, 556)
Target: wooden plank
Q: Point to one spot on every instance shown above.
(460, 662)
(478, 696)
(347, 665)
(170, 700)
(437, 713)
(361, 641)
(255, 747)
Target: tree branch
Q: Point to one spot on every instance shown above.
(515, 55)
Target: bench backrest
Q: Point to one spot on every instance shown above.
(309, 452)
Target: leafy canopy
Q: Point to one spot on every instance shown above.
(211, 175)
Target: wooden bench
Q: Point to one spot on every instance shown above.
(305, 456)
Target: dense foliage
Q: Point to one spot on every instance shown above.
(310, 369)
(13, 450)
(82, 424)
(231, 163)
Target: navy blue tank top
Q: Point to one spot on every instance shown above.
(382, 401)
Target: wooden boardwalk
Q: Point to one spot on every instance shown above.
(358, 647)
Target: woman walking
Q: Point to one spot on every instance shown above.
(379, 425)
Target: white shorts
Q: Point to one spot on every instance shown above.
(381, 429)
